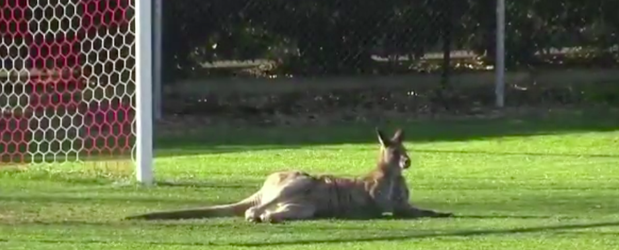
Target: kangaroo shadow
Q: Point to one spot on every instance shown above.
(105, 242)
(464, 233)
(245, 184)
(454, 216)
(498, 216)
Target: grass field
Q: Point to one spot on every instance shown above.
(549, 182)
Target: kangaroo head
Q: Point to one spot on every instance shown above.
(393, 154)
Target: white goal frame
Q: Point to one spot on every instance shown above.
(144, 91)
(53, 103)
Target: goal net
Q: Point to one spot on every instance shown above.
(68, 71)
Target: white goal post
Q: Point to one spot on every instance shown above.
(76, 81)
(144, 91)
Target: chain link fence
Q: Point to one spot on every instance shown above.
(254, 59)
(317, 62)
(420, 58)
(562, 52)
(279, 38)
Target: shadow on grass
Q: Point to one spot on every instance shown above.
(41, 199)
(226, 139)
(457, 216)
(467, 233)
(111, 242)
(215, 140)
(109, 195)
(464, 233)
(480, 152)
(524, 217)
(236, 184)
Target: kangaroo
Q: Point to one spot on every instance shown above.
(297, 195)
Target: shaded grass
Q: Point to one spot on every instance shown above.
(217, 139)
(534, 191)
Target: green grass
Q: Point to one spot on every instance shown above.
(535, 183)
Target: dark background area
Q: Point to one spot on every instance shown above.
(220, 40)
(313, 38)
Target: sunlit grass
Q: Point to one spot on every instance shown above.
(514, 191)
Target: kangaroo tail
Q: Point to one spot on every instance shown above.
(228, 210)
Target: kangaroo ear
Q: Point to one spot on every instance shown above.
(381, 138)
(398, 137)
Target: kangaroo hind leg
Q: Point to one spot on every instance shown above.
(289, 211)
(292, 188)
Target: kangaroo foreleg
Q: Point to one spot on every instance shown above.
(412, 212)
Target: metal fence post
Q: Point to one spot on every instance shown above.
(500, 54)
(157, 54)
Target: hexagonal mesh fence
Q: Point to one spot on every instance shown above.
(67, 81)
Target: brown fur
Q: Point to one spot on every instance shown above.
(295, 195)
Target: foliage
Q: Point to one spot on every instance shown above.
(339, 36)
